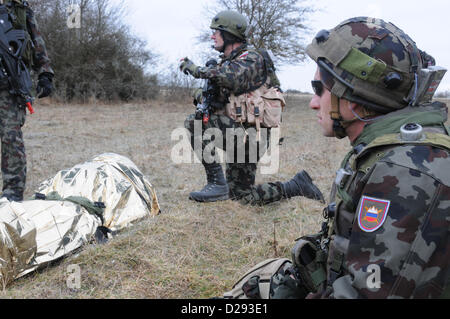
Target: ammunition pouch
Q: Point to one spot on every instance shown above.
(310, 262)
(286, 284)
(262, 107)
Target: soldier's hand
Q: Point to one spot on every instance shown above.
(198, 96)
(188, 67)
(45, 86)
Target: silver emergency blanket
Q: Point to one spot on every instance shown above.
(35, 232)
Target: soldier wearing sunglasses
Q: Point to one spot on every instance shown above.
(386, 227)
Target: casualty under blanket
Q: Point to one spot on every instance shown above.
(38, 231)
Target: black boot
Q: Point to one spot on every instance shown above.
(13, 196)
(216, 189)
(302, 185)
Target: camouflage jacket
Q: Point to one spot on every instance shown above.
(41, 62)
(389, 235)
(242, 71)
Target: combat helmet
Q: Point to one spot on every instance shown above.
(232, 22)
(368, 61)
(374, 64)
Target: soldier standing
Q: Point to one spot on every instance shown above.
(244, 78)
(12, 106)
(386, 233)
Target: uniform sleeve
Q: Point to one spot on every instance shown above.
(408, 255)
(237, 75)
(41, 62)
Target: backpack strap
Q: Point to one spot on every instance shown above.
(270, 68)
(270, 78)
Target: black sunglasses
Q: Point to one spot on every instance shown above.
(317, 87)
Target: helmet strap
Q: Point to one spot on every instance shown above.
(222, 48)
(226, 40)
(339, 124)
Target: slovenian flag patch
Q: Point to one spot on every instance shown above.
(372, 213)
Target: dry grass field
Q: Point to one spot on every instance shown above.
(191, 250)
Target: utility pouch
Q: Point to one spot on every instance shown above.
(261, 108)
(310, 261)
(237, 108)
(286, 284)
(274, 104)
(254, 106)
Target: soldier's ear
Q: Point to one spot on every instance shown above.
(355, 108)
(362, 111)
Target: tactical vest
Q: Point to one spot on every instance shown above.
(17, 10)
(263, 104)
(320, 258)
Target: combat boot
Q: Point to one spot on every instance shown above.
(216, 188)
(302, 185)
(13, 197)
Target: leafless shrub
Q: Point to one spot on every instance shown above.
(176, 86)
(101, 59)
(443, 94)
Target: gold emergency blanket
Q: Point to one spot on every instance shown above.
(35, 232)
(112, 179)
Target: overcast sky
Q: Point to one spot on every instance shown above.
(170, 28)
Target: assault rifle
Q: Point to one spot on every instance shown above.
(13, 70)
(209, 91)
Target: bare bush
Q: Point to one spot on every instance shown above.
(101, 59)
(443, 94)
(176, 86)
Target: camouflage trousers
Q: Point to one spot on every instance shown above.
(14, 166)
(242, 157)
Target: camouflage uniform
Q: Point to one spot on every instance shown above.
(13, 118)
(240, 72)
(386, 233)
(41, 62)
(412, 246)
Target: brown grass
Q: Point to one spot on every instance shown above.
(191, 250)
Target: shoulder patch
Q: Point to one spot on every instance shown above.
(372, 213)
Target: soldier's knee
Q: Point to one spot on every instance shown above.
(13, 137)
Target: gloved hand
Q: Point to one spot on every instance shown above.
(188, 67)
(45, 86)
(198, 96)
